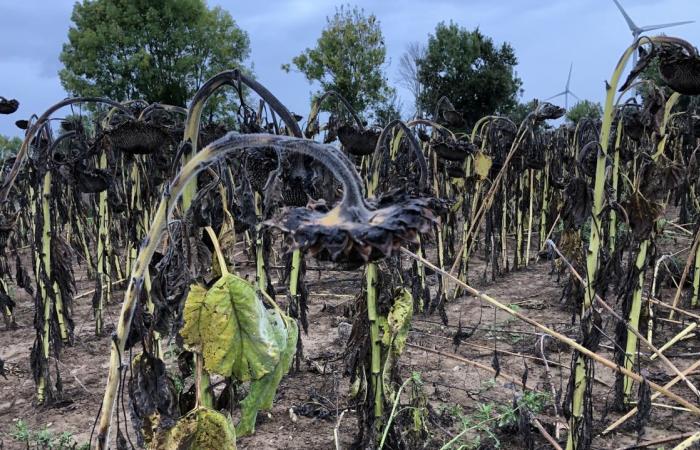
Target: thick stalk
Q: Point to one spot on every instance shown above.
(612, 233)
(531, 176)
(60, 318)
(89, 267)
(545, 206)
(43, 289)
(636, 307)
(439, 232)
(464, 268)
(294, 275)
(504, 230)
(519, 224)
(375, 343)
(7, 313)
(631, 343)
(696, 279)
(421, 273)
(102, 232)
(580, 379)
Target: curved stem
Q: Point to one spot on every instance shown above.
(194, 113)
(430, 123)
(169, 108)
(343, 100)
(413, 143)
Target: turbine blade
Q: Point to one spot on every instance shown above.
(568, 80)
(665, 25)
(628, 19)
(557, 95)
(574, 96)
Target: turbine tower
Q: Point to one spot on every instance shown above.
(566, 92)
(637, 30)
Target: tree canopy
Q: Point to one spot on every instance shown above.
(584, 109)
(466, 66)
(9, 145)
(155, 50)
(348, 58)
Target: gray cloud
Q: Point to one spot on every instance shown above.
(547, 37)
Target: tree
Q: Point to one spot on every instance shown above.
(519, 111)
(388, 110)
(155, 50)
(348, 58)
(9, 145)
(408, 71)
(466, 66)
(584, 109)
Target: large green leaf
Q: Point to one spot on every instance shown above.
(262, 392)
(228, 324)
(200, 429)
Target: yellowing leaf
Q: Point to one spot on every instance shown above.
(395, 328)
(229, 326)
(482, 164)
(200, 429)
(262, 392)
(398, 322)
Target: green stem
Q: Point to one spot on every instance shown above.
(580, 379)
(375, 343)
(545, 206)
(636, 307)
(612, 238)
(696, 280)
(531, 176)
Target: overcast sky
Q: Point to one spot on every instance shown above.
(547, 36)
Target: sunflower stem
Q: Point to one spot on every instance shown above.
(375, 344)
(640, 266)
(581, 381)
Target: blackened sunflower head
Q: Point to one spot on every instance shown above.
(679, 67)
(548, 111)
(8, 106)
(137, 137)
(356, 234)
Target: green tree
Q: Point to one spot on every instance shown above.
(467, 67)
(348, 58)
(518, 112)
(155, 50)
(9, 145)
(584, 109)
(388, 110)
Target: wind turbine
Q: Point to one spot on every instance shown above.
(566, 92)
(637, 31)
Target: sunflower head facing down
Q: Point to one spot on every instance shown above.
(357, 234)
